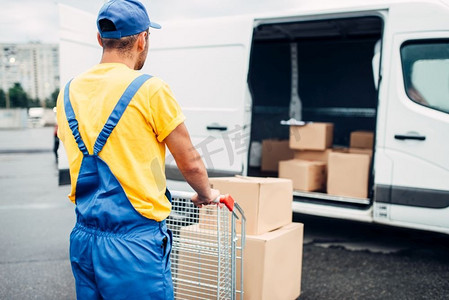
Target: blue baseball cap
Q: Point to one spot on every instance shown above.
(129, 17)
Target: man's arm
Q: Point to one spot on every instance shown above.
(190, 164)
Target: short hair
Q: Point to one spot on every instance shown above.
(122, 45)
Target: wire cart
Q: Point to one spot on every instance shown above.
(207, 252)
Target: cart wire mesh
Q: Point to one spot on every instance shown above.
(207, 252)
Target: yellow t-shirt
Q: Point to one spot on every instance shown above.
(135, 150)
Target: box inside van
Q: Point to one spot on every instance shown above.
(335, 82)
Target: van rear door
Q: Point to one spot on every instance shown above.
(415, 106)
(205, 62)
(78, 51)
(78, 45)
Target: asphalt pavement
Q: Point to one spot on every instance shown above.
(352, 260)
(36, 218)
(342, 259)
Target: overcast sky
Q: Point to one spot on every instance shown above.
(37, 20)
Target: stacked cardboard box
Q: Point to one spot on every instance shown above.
(345, 171)
(195, 265)
(305, 175)
(267, 202)
(274, 151)
(311, 144)
(272, 264)
(368, 152)
(348, 173)
(312, 136)
(362, 142)
(315, 155)
(361, 139)
(272, 259)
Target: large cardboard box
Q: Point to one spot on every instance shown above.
(368, 152)
(348, 174)
(273, 264)
(306, 175)
(315, 155)
(197, 263)
(361, 139)
(274, 151)
(312, 136)
(267, 202)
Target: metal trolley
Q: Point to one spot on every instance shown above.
(207, 253)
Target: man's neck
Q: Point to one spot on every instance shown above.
(114, 57)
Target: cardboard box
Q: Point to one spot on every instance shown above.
(274, 151)
(368, 152)
(312, 136)
(267, 202)
(362, 139)
(315, 155)
(306, 175)
(272, 264)
(348, 174)
(197, 267)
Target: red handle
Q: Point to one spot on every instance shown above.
(228, 201)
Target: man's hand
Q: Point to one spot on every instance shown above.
(199, 201)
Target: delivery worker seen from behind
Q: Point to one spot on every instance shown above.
(115, 123)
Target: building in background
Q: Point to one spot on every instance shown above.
(34, 65)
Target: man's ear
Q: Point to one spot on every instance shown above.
(99, 39)
(142, 41)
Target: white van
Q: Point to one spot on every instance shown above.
(357, 66)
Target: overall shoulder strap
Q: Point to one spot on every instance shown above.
(71, 118)
(118, 111)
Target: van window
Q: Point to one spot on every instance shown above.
(425, 66)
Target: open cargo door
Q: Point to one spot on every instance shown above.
(78, 46)
(413, 166)
(78, 51)
(205, 62)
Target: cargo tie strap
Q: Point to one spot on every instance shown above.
(113, 119)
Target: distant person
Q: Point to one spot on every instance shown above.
(115, 123)
(55, 142)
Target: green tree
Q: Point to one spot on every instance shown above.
(2, 99)
(51, 102)
(17, 96)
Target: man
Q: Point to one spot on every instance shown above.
(115, 124)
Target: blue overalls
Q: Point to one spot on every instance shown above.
(115, 252)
